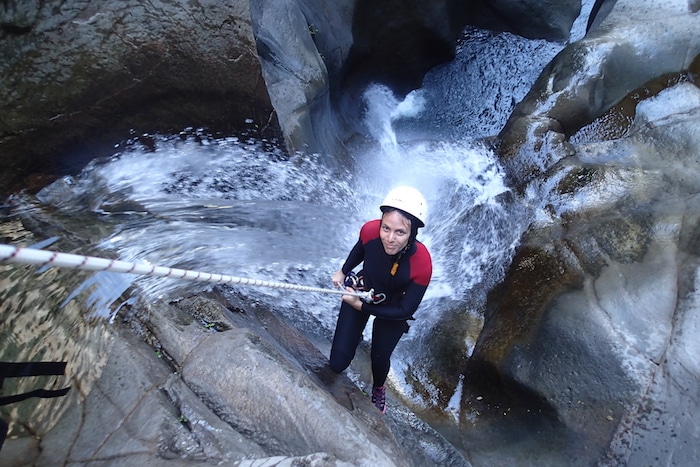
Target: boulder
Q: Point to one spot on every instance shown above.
(596, 312)
(533, 19)
(76, 78)
(637, 43)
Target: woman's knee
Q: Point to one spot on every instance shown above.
(340, 360)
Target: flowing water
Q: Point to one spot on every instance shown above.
(241, 207)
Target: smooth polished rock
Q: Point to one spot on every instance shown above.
(637, 43)
(592, 314)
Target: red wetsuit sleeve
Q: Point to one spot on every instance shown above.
(421, 266)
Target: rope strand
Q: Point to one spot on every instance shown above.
(46, 258)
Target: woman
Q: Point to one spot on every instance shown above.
(397, 268)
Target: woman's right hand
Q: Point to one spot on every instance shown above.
(338, 278)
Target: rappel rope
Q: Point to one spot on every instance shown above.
(13, 254)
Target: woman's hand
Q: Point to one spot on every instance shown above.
(352, 300)
(338, 278)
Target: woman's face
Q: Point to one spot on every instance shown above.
(394, 232)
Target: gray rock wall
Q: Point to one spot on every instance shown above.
(550, 19)
(597, 310)
(302, 46)
(636, 44)
(255, 392)
(78, 77)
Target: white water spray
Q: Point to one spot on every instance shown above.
(382, 109)
(468, 226)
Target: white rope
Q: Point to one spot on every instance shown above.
(13, 254)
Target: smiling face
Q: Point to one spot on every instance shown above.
(395, 231)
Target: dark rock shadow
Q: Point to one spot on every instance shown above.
(501, 416)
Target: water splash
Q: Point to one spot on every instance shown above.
(469, 227)
(383, 108)
(473, 226)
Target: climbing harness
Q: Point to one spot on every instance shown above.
(354, 281)
(13, 254)
(357, 283)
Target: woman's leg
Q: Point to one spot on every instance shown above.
(386, 334)
(348, 333)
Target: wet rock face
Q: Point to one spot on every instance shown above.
(302, 45)
(397, 42)
(549, 19)
(359, 42)
(78, 77)
(596, 311)
(18, 17)
(222, 396)
(627, 51)
(413, 42)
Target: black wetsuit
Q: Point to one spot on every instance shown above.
(396, 300)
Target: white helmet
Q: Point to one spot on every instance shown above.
(409, 200)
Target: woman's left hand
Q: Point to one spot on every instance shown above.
(352, 300)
